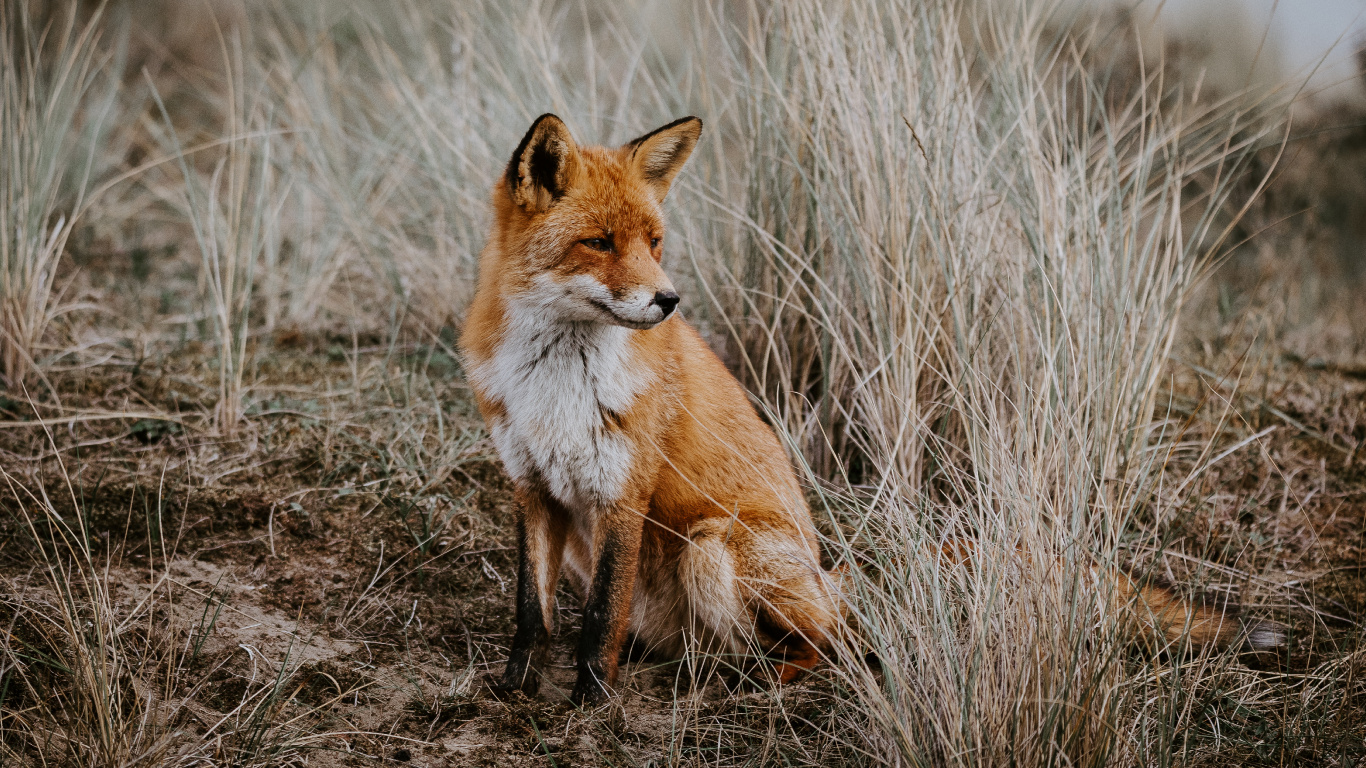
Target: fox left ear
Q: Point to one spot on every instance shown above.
(659, 155)
(543, 167)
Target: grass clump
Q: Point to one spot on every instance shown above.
(56, 105)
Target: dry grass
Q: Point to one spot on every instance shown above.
(986, 279)
(55, 109)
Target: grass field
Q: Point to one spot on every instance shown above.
(985, 271)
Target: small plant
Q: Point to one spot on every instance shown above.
(75, 669)
(148, 431)
(204, 628)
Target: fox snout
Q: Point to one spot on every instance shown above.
(666, 300)
(656, 310)
(639, 308)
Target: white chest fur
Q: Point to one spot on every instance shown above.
(557, 383)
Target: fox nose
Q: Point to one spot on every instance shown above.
(666, 300)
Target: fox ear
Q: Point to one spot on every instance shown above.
(544, 164)
(659, 155)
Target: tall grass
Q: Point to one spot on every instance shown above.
(235, 214)
(55, 108)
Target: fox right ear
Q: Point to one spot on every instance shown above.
(544, 164)
(659, 155)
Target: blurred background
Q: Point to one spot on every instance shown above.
(1316, 43)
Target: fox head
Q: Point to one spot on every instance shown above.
(579, 231)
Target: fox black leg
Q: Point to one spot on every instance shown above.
(540, 540)
(608, 610)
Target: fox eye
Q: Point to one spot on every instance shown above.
(597, 244)
(654, 243)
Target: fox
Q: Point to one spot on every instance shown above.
(639, 466)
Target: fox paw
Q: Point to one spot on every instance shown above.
(589, 693)
(505, 686)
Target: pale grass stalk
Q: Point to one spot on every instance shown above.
(235, 215)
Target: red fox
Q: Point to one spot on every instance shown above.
(636, 457)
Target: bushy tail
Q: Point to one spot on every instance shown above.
(1158, 611)
(1153, 612)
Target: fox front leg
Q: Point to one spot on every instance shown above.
(541, 533)
(607, 613)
